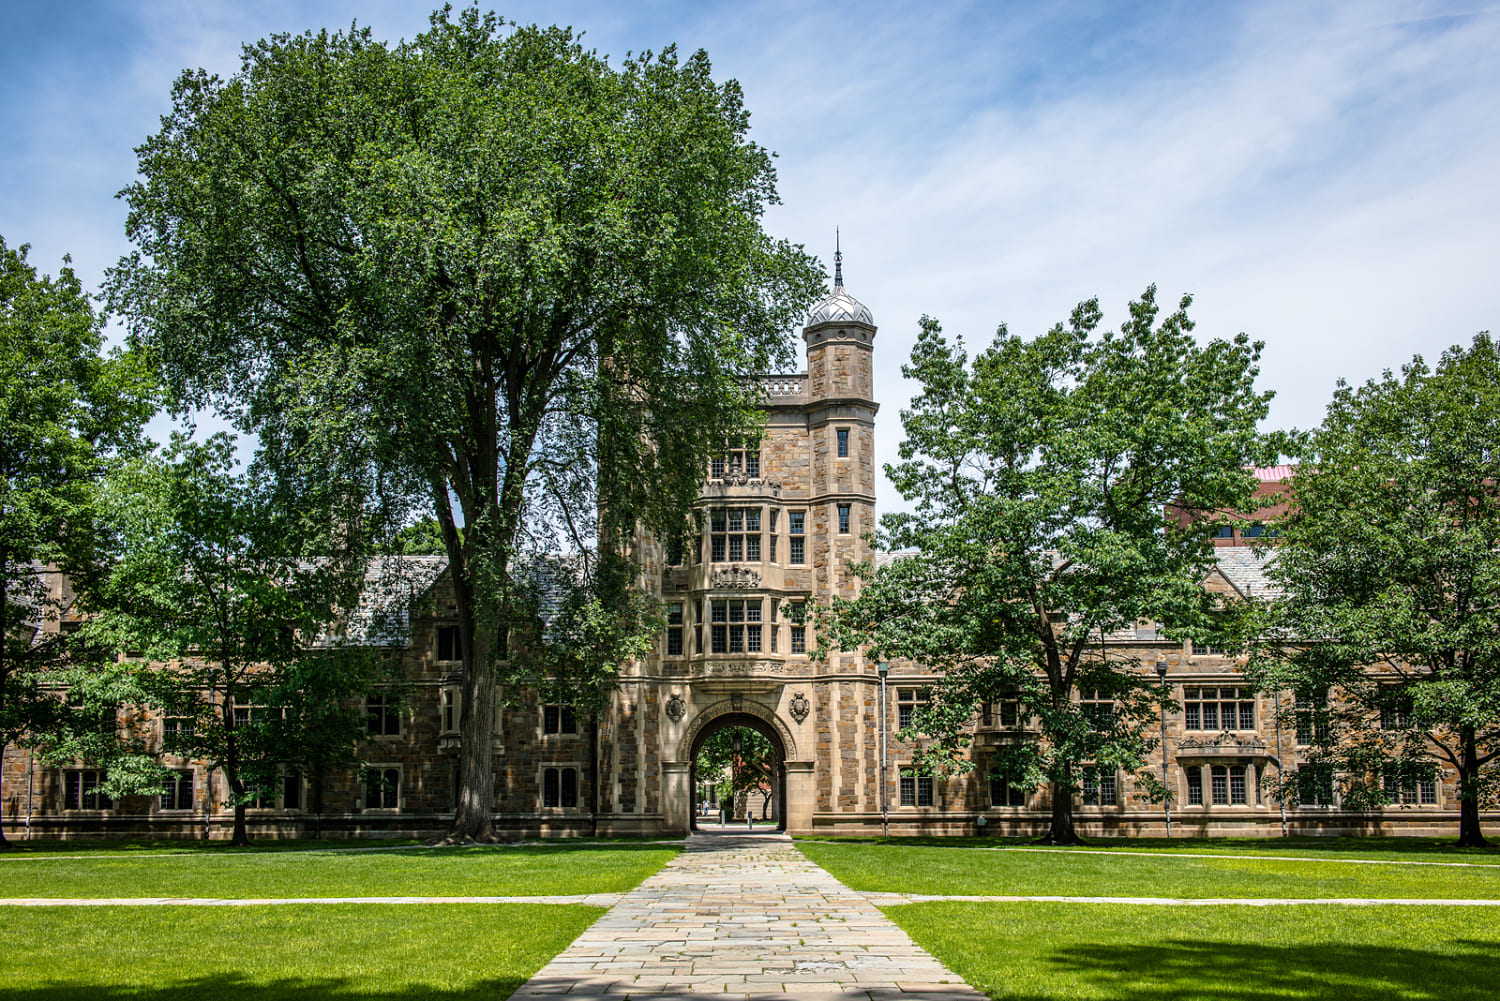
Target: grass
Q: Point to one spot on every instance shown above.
(453, 952)
(1392, 848)
(898, 867)
(1051, 952)
(521, 870)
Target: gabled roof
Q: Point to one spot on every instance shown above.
(1244, 567)
(393, 584)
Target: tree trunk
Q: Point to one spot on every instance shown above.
(1062, 831)
(1469, 833)
(318, 803)
(240, 838)
(473, 820)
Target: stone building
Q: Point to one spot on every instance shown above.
(781, 521)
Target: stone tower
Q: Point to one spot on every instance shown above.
(840, 414)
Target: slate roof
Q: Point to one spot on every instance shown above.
(393, 584)
(1245, 568)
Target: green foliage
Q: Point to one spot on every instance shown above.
(591, 619)
(483, 273)
(216, 589)
(421, 538)
(1388, 580)
(1039, 477)
(68, 411)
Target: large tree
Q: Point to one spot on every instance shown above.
(1039, 478)
(486, 269)
(1387, 569)
(68, 410)
(240, 613)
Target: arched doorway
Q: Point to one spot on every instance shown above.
(775, 773)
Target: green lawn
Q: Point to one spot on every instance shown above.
(958, 870)
(551, 868)
(453, 952)
(1391, 848)
(1050, 952)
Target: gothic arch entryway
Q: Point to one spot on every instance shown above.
(749, 720)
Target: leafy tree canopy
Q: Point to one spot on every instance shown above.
(1388, 577)
(238, 628)
(68, 410)
(484, 272)
(1040, 476)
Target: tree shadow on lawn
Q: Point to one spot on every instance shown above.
(84, 849)
(1288, 846)
(1217, 970)
(234, 987)
(536, 848)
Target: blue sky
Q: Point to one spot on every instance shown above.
(1325, 177)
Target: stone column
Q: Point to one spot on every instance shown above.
(800, 798)
(677, 798)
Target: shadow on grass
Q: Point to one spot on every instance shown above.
(232, 987)
(272, 847)
(1203, 970)
(1277, 846)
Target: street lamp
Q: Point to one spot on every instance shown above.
(885, 811)
(1161, 677)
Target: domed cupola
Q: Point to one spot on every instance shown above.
(840, 306)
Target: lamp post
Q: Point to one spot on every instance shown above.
(885, 811)
(1161, 678)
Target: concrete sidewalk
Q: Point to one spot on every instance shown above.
(745, 916)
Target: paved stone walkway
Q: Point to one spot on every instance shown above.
(745, 917)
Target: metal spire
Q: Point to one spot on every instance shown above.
(838, 261)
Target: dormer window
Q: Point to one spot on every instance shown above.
(741, 457)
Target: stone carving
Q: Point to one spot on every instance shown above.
(1222, 742)
(736, 577)
(737, 479)
(738, 669)
(676, 707)
(736, 702)
(799, 707)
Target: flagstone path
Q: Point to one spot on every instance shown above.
(745, 917)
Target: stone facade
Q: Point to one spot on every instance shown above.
(781, 522)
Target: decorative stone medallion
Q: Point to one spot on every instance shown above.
(676, 707)
(736, 577)
(799, 707)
